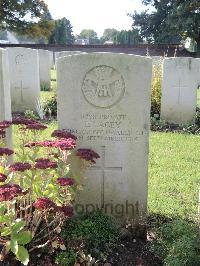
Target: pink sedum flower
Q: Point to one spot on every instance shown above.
(2, 133)
(36, 126)
(9, 191)
(2, 177)
(5, 124)
(68, 210)
(6, 151)
(44, 204)
(63, 144)
(63, 134)
(65, 181)
(88, 155)
(45, 163)
(21, 167)
(22, 121)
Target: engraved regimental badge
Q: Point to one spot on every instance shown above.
(103, 86)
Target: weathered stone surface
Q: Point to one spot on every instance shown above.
(66, 53)
(104, 99)
(45, 64)
(25, 83)
(5, 99)
(179, 90)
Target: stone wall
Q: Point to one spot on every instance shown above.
(142, 49)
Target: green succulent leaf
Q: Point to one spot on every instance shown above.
(14, 246)
(18, 226)
(22, 255)
(2, 208)
(46, 193)
(24, 237)
(5, 231)
(4, 219)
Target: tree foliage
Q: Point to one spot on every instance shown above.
(25, 17)
(62, 33)
(90, 35)
(170, 22)
(109, 35)
(129, 37)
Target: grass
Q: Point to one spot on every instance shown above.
(53, 74)
(46, 95)
(198, 97)
(174, 174)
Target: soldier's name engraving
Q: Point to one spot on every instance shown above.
(106, 127)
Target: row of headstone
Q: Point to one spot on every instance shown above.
(45, 64)
(180, 81)
(30, 70)
(5, 98)
(104, 99)
(25, 82)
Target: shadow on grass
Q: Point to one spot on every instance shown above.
(174, 239)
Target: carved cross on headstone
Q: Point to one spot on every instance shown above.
(103, 169)
(21, 88)
(180, 87)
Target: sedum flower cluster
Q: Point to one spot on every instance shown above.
(38, 189)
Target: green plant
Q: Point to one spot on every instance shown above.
(197, 118)
(36, 194)
(177, 243)
(50, 107)
(96, 233)
(66, 258)
(44, 86)
(156, 89)
(30, 114)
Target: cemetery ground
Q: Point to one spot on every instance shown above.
(174, 174)
(172, 223)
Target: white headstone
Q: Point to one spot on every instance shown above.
(45, 64)
(52, 59)
(65, 53)
(104, 99)
(198, 60)
(25, 83)
(5, 99)
(179, 90)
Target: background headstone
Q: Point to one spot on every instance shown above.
(52, 59)
(179, 90)
(45, 64)
(5, 99)
(65, 53)
(25, 83)
(104, 99)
